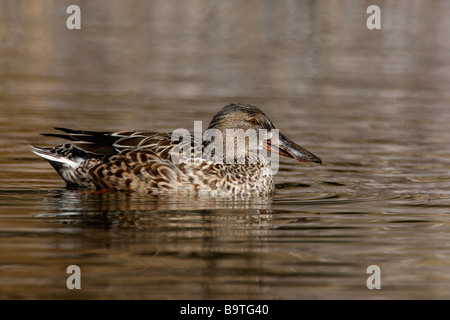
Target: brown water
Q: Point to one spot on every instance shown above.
(373, 104)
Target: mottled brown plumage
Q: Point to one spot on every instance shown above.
(143, 161)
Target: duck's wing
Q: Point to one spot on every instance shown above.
(96, 144)
(111, 143)
(90, 142)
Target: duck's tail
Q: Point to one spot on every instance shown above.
(57, 159)
(65, 160)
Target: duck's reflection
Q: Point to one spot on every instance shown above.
(167, 241)
(79, 202)
(169, 217)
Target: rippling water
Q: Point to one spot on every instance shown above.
(374, 105)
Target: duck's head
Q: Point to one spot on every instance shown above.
(237, 116)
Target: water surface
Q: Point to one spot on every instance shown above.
(373, 104)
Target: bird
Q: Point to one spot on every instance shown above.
(163, 163)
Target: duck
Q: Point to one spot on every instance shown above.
(163, 163)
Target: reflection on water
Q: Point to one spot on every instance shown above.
(372, 104)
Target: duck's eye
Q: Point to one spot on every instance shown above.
(253, 121)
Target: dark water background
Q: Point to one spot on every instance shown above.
(373, 104)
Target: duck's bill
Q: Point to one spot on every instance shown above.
(288, 148)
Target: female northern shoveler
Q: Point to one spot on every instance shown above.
(143, 161)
